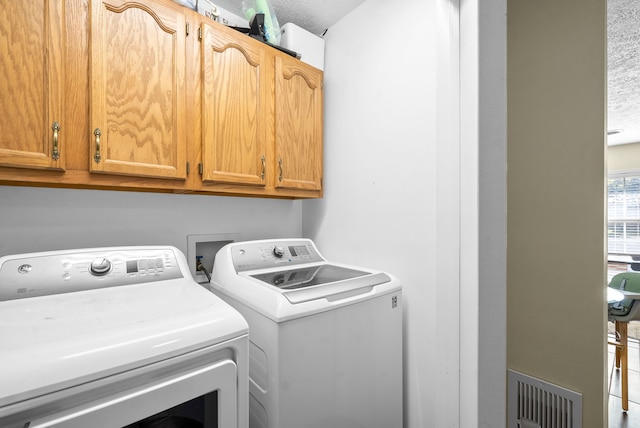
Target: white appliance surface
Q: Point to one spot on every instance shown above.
(295, 282)
(325, 346)
(68, 318)
(308, 45)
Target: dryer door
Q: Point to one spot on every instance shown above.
(200, 388)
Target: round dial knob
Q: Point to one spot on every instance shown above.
(278, 251)
(100, 267)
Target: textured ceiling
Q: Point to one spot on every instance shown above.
(314, 16)
(624, 71)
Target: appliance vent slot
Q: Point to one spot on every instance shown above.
(534, 403)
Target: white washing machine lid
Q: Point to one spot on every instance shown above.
(308, 276)
(324, 281)
(56, 341)
(288, 278)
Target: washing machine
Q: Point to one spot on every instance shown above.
(117, 337)
(325, 339)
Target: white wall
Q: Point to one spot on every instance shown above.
(623, 158)
(415, 183)
(392, 179)
(36, 219)
(483, 28)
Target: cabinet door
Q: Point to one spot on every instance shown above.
(138, 106)
(298, 125)
(235, 108)
(31, 87)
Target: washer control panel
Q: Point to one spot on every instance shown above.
(256, 255)
(41, 274)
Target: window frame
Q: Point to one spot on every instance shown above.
(628, 224)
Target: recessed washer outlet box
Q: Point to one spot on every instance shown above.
(206, 246)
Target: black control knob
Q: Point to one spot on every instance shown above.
(278, 252)
(100, 267)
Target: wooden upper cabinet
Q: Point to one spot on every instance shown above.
(137, 100)
(155, 100)
(31, 87)
(236, 107)
(298, 125)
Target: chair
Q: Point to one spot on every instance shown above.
(621, 312)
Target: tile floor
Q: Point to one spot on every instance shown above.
(618, 418)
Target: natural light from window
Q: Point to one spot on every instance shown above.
(623, 197)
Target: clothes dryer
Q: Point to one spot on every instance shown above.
(325, 339)
(117, 337)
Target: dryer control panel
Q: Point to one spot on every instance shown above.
(254, 255)
(56, 272)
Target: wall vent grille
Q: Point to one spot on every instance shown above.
(534, 403)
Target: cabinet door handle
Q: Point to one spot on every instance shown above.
(264, 167)
(280, 167)
(55, 154)
(97, 134)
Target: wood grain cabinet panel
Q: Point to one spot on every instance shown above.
(298, 125)
(235, 105)
(138, 106)
(31, 87)
(140, 97)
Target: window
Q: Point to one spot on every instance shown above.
(623, 196)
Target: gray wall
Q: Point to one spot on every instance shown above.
(556, 275)
(39, 219)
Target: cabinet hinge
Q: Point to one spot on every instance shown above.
(199, 33)
(188, 168)
(201, 168)
(187, 28)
